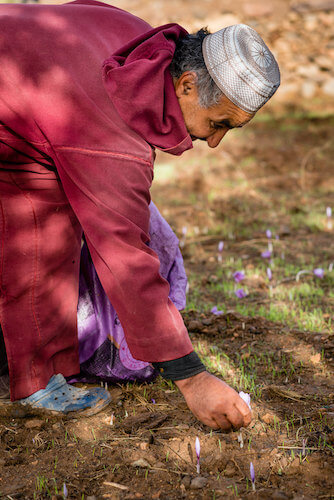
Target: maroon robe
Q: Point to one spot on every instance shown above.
(86, 95)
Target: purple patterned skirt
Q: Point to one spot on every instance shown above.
(103, 351)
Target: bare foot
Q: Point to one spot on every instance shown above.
(214, 403)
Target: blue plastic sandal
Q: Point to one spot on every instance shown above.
(59, 397)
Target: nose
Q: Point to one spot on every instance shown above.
(214, 139)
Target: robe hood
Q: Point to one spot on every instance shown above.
(140, 86)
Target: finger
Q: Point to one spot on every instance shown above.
(244, 411)
(231, 418)
(223, 423)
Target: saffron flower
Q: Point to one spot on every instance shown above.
(266, 254)
(319, 272)
(252, 475)
(245, 397)
(184, 234)
(238, 276)
(216, 311)
(65, 492)
(268, 234)
(198, 452)
(220, 251)
(269, 274)
(240, 293)
(220, 246)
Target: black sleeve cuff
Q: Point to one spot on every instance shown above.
(181, 368)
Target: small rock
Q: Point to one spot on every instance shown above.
(328, 87)
(34, 424)
(186, 481)
(198, 482)
(194, 325)
(140, 463)
(279, 495)
(308, 89)
(269, 418)
(218, 22)
(160, 465)
(91, 497)
(229, 471)
(257, 9)
(143, 446)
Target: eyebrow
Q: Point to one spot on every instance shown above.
(228, 124)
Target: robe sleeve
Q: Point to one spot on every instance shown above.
(109, 192)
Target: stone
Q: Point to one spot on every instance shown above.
(269, 418)
(198, 482)
(218, 22)
(186, 480)
(229, 471)
(279, 495)
(328, 87)
(308, 89)
(324, 62)
(34, 424)
(140, 463)
(287, 91)
(257, 9)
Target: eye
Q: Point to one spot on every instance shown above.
(215, 126)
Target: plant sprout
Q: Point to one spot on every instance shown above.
(198, 452)
(329, 218)
(252, 475)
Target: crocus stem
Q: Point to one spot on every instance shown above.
(198, 466)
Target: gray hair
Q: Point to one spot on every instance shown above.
(188, 56)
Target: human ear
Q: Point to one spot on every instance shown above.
(185, 84)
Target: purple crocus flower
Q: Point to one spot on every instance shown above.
(252, 475)
(65, 492)
(240, 293)
(198, 453)
(329, 212)
(266, 254)
(153, 401)
(245, 397)
(220, 246)
(319, 272)
(268, 234)
(215, 311)
(238, 276)
(269, 273)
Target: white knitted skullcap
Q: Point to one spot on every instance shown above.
(242, 66)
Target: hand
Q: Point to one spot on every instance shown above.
(214, 403)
